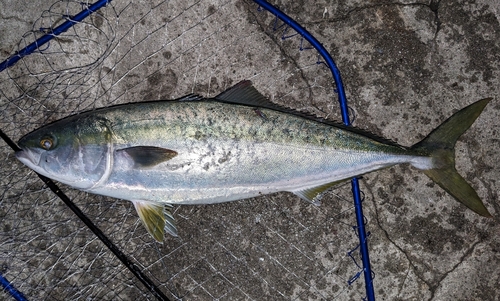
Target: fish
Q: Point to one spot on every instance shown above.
(236, 145)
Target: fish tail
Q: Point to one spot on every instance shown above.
(440, 146)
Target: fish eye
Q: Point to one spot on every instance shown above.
(46, 143)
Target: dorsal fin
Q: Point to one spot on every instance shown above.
(190, 97)
(243, 93)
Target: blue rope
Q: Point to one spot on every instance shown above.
(9, 288)
(57, 31)
(345, 118)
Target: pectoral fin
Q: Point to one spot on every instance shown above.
(148, 156)
(157, 218)
(313, 194)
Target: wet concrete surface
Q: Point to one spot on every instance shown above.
(406, 66)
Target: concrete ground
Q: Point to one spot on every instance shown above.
(406, 67)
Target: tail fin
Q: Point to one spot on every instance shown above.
(440, 144)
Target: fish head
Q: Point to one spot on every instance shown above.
(74, 151)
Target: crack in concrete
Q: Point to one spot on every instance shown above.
(492, 195)
(469, 251)
(434, 7)
(413, 262)
(386, 234)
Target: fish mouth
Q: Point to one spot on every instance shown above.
(27, 157)
(32, 159)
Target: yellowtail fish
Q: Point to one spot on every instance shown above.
(237, 145)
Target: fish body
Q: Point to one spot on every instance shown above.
(202, 151)
(227, 152)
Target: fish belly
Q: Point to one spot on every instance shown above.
(221, 171)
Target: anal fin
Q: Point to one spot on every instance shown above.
(157, 218)
(313, 194)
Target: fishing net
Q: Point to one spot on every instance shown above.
(268, 248)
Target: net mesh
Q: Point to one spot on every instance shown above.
(269, 248)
